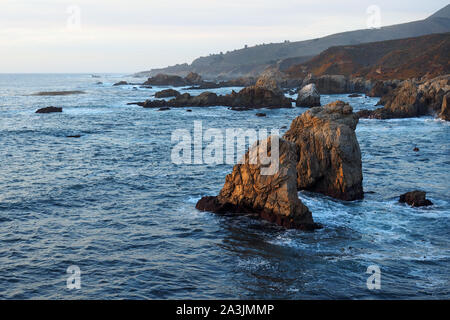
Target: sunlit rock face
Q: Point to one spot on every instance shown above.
(329, 154)
(270, 192)
(308, 96)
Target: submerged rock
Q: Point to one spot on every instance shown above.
(329, 153)
(49, 110)
(415, 199)
(120, 83)
(308, 96)
(272, 197)
(57, 93)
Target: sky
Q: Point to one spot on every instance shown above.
(134, 35)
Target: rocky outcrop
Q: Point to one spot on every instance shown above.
(415, 199)
(257, 97)
(193, 78)
(445, 109)
(272, 197)
(166, 80)
(238, 82)
(381, 88)
(412, 99)
(308, 96)
(49, 110)
(167, 93)
(271, 79)
(249, 98)
(329, 153)
(336, 84)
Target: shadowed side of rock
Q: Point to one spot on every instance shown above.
(415, 198)
(49, 110)
(272, 197)
(329, 153)
(445, 109)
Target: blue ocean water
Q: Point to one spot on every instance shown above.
(113, 203)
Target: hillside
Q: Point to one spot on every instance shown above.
(393, 59)
(252, 60)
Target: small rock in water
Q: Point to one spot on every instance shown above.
(57, 93)
(74, 136)
(415, 199)
(164, 109)
(120, 83)
(49, 110)
(416, 149)
(260, 114)
(354, 95)
(188, 110)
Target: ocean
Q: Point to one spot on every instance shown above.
(114, 204)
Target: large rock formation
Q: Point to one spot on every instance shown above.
(445, 109)
(249, 98)
(166, 80)
(273, 197)
(308, 96)
(415, 198)
(329, 153)
(411, 99)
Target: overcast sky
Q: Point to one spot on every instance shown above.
(135, 35)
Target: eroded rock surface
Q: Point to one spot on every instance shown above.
(329, 153)
(272, 197)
